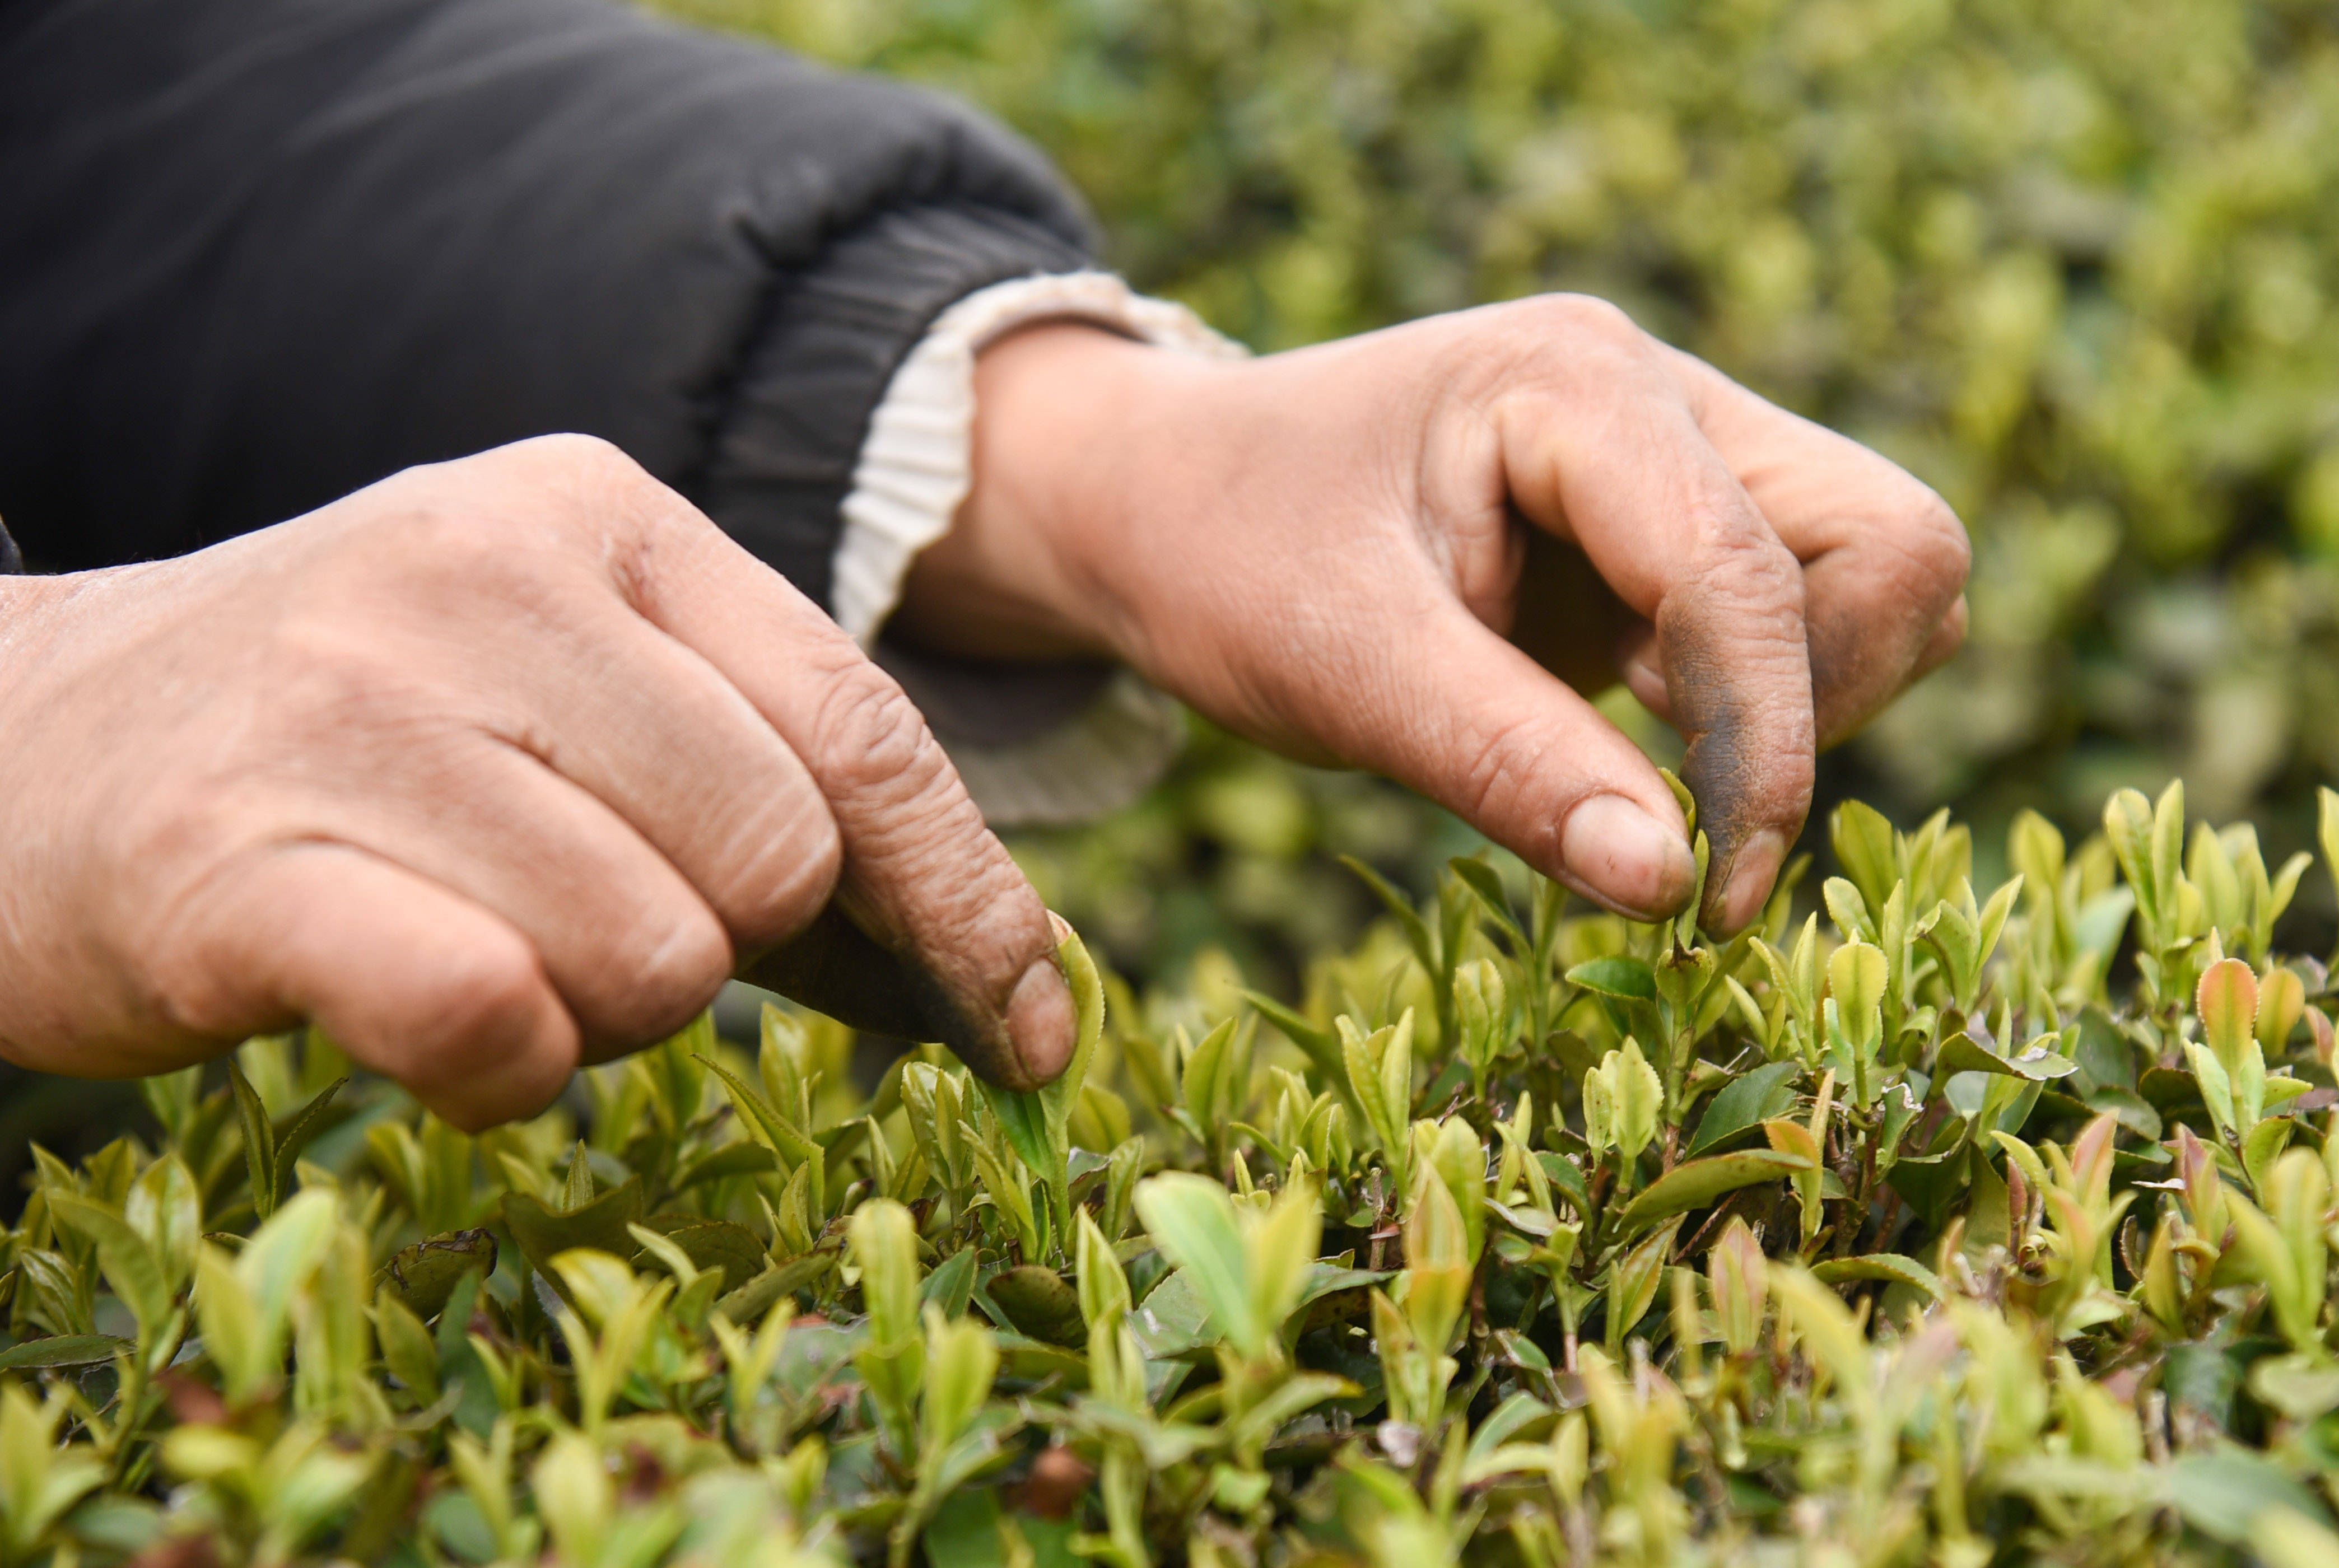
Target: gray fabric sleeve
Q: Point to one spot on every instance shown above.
(259, 253)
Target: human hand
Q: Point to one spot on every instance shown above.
(490, 767)
(1382, 551)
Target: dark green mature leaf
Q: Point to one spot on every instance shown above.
(295, 1134)
(1566, 1176)
(951, 1284)
(1024, 1120)
(64, 1350)
(1173, 1319)
(1701, 1181)
(259, 1140)
(424, 1276)
(1741, 1106)
(2169, 1090)
(1619, 975)
(543, 1234)
(752, 1300)
(712, 1244)
(1039, 1303)
(964, 1532)
(1962, 1053)
(1890, 1266)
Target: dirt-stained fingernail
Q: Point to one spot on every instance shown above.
(1618, 847)
(1752, 874)
(1042, 1022)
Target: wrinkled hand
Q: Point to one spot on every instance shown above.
(1419, 551)
(490, 767)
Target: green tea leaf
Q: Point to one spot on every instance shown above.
(64, 1350)
(259, 1140)
(1024, 1120)
(1039, 1303)
(298, 1131)
(1618, 975)
(131, 1267)
(1742, 1104)
(600, 1226)
(1698, 1182)
(1890, 1266)
(2037, 1064)
(1192, 1221)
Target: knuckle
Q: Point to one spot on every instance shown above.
(588, 454)
(1501, 763)
(650, 979)
(1956, 622)
(588, 464)
(1587, 317)
(486, 994)
(435, 532)
(1938, 543)
(1745, 563)
(1572, 346)
(785, 870)
(871, 738)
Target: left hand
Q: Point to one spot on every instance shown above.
(1421, 550)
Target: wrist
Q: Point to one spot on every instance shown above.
(1061, 408)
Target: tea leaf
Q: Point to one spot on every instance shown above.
(1698, 1182)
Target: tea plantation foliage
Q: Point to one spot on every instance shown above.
(1895, 1236)
(2077, 264)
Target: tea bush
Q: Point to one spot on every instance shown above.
(1955, 1227)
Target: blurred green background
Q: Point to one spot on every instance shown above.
(2074, 264)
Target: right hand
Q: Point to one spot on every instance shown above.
(1422, 550)
(490, 768)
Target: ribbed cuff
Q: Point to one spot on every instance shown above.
(917, 463)
(1034, 744)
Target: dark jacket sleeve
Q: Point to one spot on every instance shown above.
(256, 253)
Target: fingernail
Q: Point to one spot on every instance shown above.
(1619, 848)
(1041, 1024)
(1752, 876)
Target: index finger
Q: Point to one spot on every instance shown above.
(1606, 450)
(1884, 557)
(923, 878)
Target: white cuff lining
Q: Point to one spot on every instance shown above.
(917, 463)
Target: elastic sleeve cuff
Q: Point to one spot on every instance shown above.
(1035, 745)
(916, 462)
